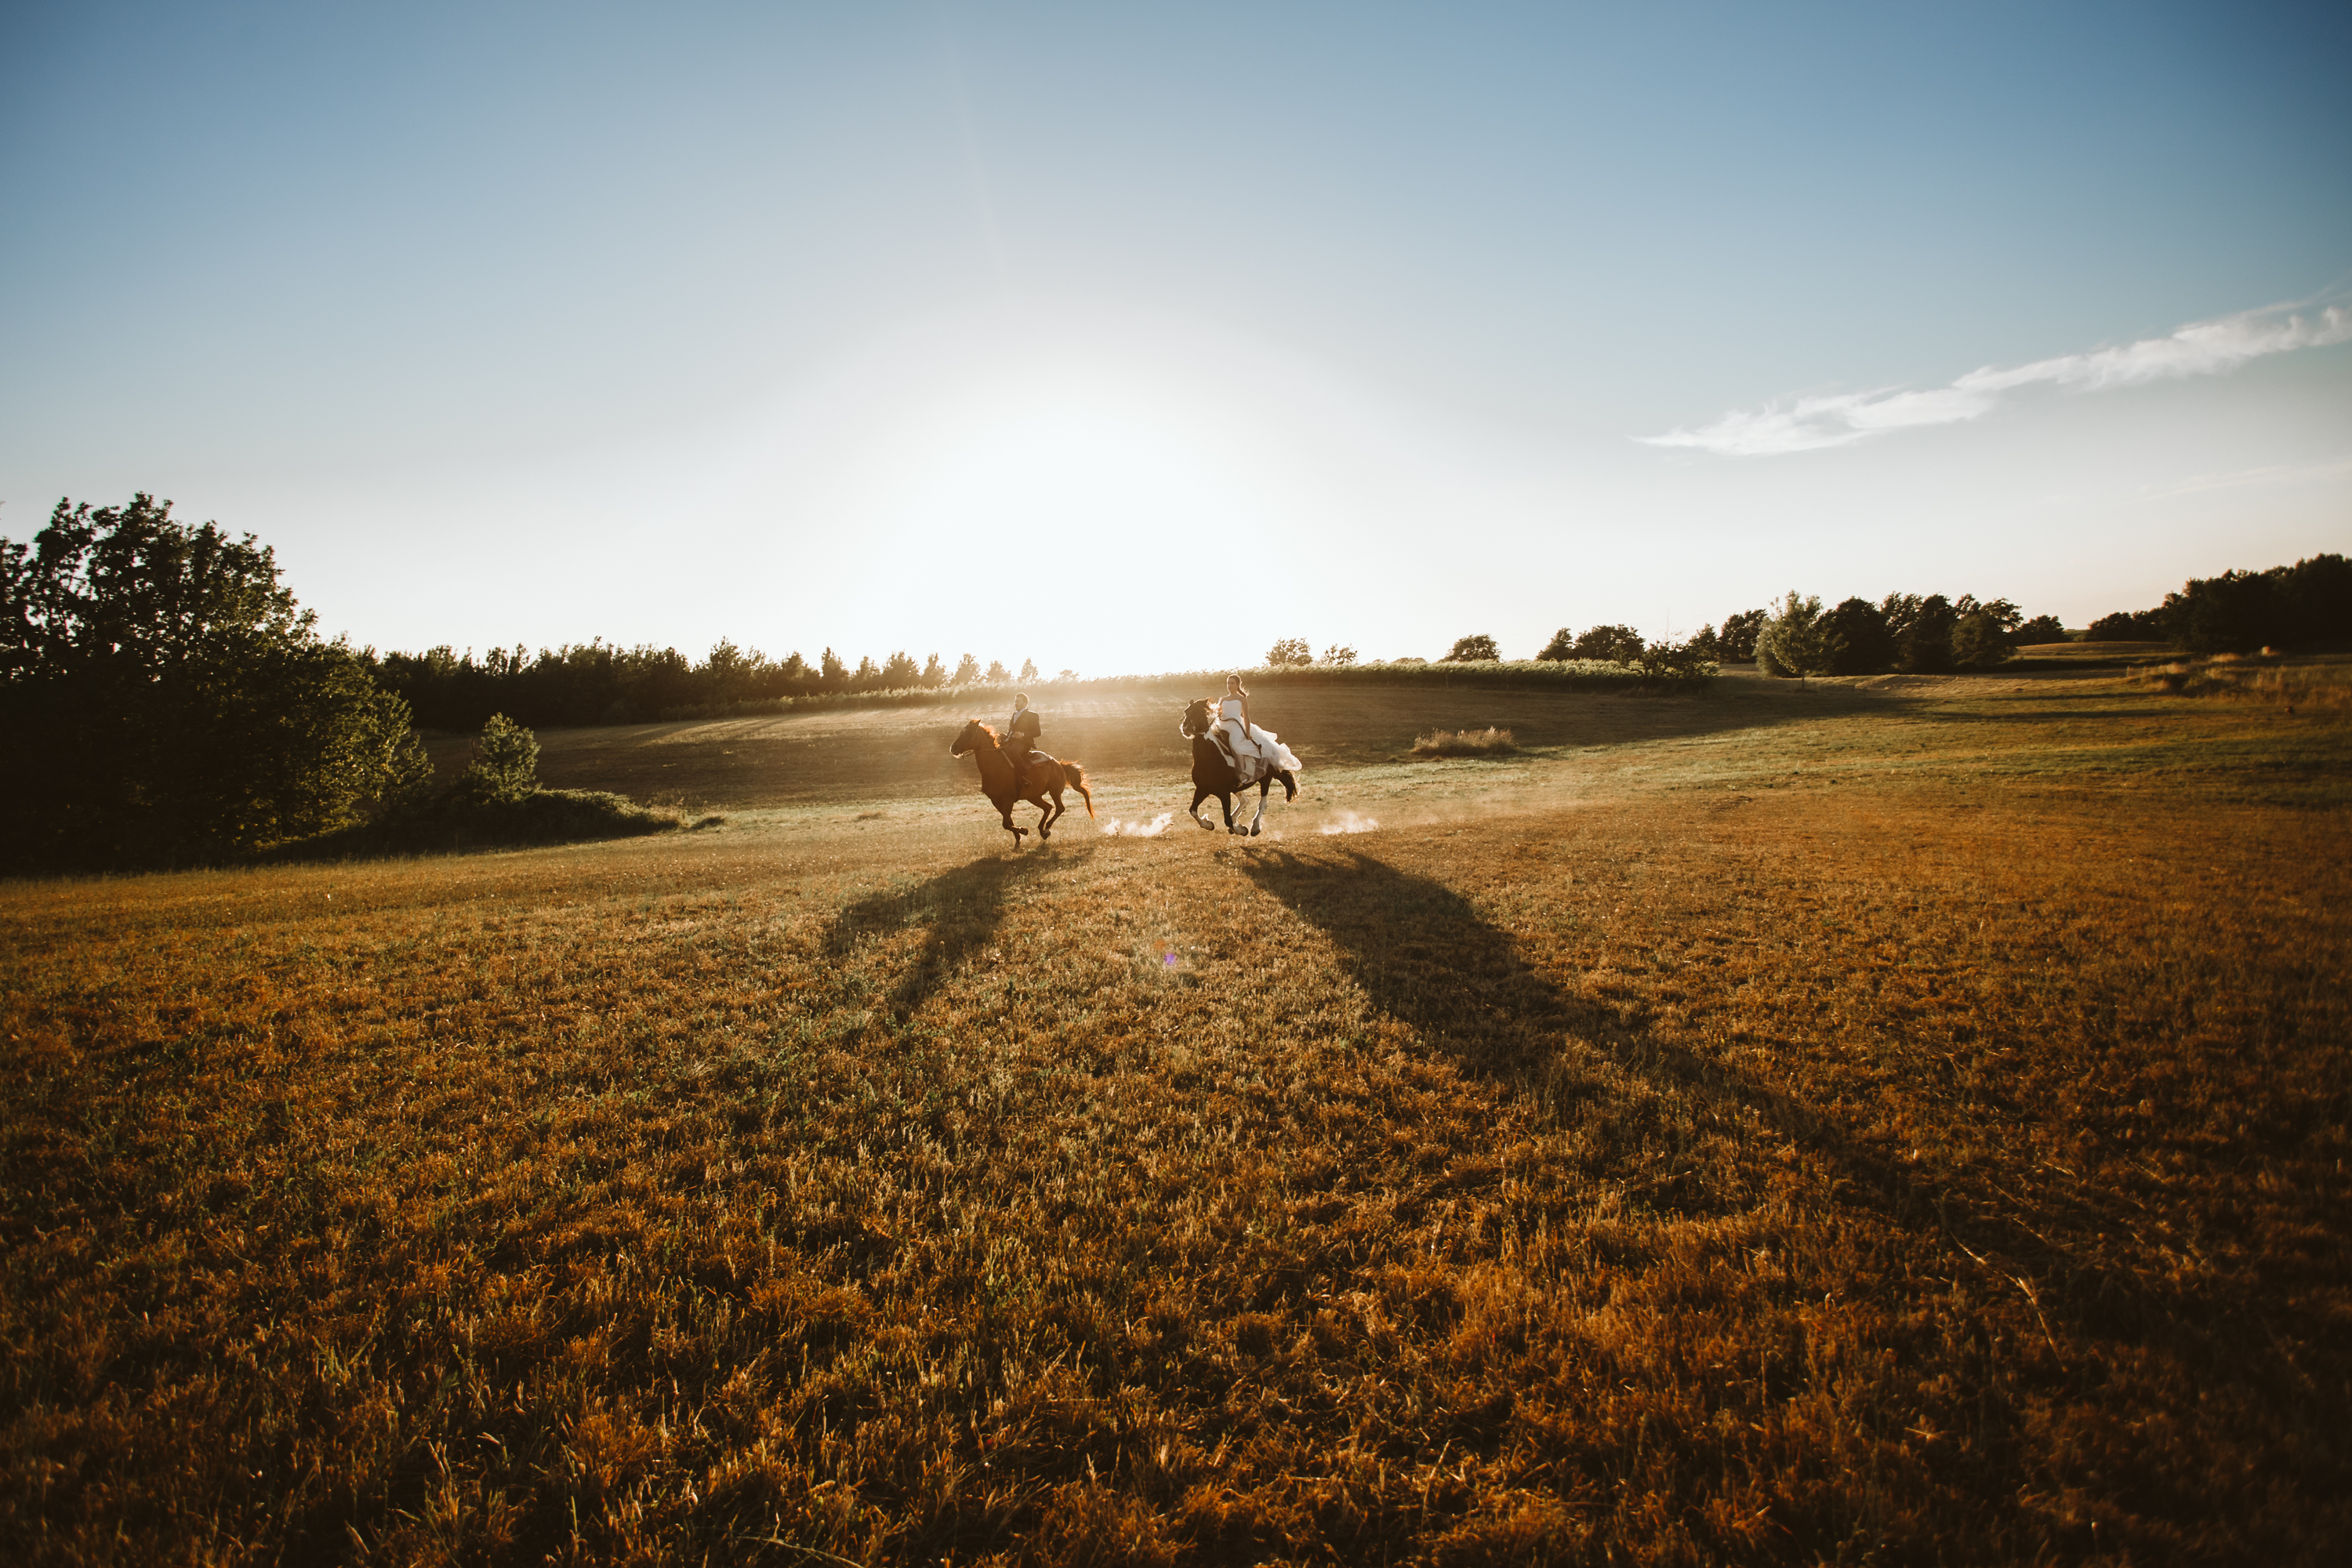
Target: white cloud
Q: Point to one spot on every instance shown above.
(2201, 348)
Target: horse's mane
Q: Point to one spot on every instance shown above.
(987, 729)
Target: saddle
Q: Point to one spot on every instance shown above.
(1026, 767)
(1247, 770)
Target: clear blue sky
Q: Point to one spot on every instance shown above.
(1128, 338)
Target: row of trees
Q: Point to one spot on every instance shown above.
(2304, 607)
(600, 683)
(1901, 632)
(164, 695)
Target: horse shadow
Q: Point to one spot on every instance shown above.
(1423, 954)
(958, 910)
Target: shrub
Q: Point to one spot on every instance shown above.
(2040, 629)
(1692, 662)
(1486, 743)
(1473, 650)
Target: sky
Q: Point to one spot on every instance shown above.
(1126, 339)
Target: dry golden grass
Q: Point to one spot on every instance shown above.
(1804, 1125)
(2309, 681)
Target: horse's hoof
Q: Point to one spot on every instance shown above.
(1254, 830)
(1206, 826)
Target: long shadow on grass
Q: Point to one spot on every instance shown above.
(1426, 956)
(957, 911)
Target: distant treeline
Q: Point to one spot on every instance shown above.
(602, 683)
(1907, 632)
(2303, 607)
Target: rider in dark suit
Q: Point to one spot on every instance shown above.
(1021, 732)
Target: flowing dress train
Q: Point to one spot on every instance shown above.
(1257, 752)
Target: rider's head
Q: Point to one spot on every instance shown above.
(1234, 684)
(1019, 701)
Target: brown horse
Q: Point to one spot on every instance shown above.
(1042, 777)
(1214, 775)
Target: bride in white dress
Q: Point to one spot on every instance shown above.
(1257, 752)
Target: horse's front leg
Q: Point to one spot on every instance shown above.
(1200, 794)
(1257, 823)
(1005, 811)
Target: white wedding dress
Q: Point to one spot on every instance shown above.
(1257, 752)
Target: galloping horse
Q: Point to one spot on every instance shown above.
(1046, 776)
(1213, 774)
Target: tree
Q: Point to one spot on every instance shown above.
(1338, 656)
(505, 768)
(1923, 632)
(1289, 652)
(1855, 639)
(1979, 639)
(2130, 625)
(865, 677)
(996, 676)
(1737, 640)
(165, 695)
(1473, 650)
(1562, 646)
(1612, 644)
(1791, 642)
(967, 670)
(1028, 671)
(2040, 629)
(934, 672)
(900, 672)
(830, 672)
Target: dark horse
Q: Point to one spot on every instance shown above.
(1214, 773)
(1043, 777)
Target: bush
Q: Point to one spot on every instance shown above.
(1486, 743)
(1691, 662)
(166, 699)
(1473, 650)
(2040, 629)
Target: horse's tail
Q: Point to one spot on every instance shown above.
(1076, 776)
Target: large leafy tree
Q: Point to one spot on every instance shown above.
(164, 695)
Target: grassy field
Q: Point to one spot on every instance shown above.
(1886, 1121)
